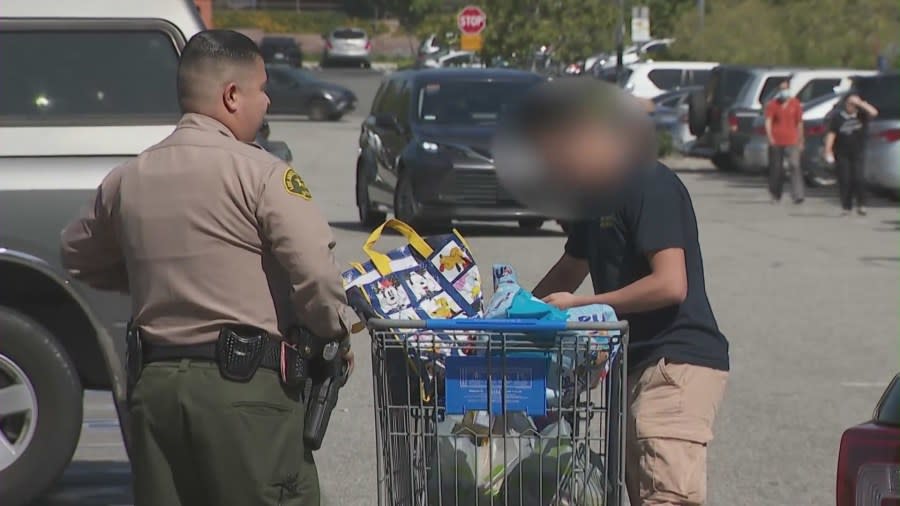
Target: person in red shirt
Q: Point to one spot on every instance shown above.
(784, 128)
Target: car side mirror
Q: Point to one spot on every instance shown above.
(387, 121)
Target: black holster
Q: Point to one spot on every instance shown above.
(239, 351)
(134, 357)
(328, 376)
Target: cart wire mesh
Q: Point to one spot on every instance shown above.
(495, 449)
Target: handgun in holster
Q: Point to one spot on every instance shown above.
(134, 357)
(328, 376)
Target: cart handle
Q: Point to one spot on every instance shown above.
(496, 325)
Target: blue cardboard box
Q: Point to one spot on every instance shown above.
(466, 384)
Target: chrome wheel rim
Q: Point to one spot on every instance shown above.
(18, 412)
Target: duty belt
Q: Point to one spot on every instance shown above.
(271, 355)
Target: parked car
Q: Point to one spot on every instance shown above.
(816, 114)
(649, 79)
(277, 148)
(868, 462)
(347, 45)
(425, 148)
(882, 160)
(281, 50)
(807, 85)
(630, 55)
(671, 115)
(713, 113)
(298, 91)
(85, 86)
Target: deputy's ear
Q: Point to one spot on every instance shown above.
(230, 97)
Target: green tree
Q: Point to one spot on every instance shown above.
(734, 31)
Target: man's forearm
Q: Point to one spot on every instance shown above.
(646, 294)
(565, 276)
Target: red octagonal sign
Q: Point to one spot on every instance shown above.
(471, 20)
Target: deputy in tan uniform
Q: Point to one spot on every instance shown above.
(217, 241)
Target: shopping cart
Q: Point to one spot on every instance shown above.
(499, 412)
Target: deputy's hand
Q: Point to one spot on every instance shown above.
(562, 300)
(348, 357)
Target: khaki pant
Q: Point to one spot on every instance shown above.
(670, 418)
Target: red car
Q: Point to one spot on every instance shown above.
(868, 472)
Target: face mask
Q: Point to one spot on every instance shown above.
(783, 95)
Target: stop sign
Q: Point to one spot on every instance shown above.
(471, 20)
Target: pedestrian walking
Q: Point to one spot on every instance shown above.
(845, 145)
(222, 250)
(784, 129)
(642, 252)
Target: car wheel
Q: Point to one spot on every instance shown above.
(531, 224)
(40, 408)
(369, 216)
(319, 110)
(406, 208)
(366, 64)
(724, 162)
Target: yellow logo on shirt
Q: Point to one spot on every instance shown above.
(294, 184)
(607, 221)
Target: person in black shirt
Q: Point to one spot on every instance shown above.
(642, 251)
(845, 145)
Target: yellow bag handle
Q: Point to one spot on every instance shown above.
(381, 261)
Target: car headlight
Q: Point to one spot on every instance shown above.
(429, 147)
(328, 95)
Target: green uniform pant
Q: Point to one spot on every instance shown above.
(199, 439)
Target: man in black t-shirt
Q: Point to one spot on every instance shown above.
(845, 145)
(640, 247)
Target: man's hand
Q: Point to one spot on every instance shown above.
(829, 157)
(563, 300)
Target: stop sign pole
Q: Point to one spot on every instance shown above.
(471, 21)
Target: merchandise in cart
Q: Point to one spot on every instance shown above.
(488, 433)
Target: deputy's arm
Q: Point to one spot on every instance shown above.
(302, 242)
(89, 248)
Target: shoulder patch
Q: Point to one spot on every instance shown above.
(295, 185)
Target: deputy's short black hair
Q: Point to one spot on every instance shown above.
(207, 56)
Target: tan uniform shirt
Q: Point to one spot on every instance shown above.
(204, 230)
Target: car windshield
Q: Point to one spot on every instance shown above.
(468, 102)
(809, 104)
(87, 77)
(882, 93)
(348, 33)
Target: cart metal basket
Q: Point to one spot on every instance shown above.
(499, 412)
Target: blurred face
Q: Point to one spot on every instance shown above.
(583, 154)
(850, 104)
(247, 101)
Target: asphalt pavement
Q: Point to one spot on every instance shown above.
(807, 298)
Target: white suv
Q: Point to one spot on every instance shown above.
(649, 79)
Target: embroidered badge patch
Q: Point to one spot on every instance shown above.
(294, 184)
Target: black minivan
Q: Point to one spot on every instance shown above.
(425, 148)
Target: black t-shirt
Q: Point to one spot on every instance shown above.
(656, 214)
(850, 132)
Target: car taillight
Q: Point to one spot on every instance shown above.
(816, 130)
(892, 135)
(868, 472)
(732, 122)
(328, 44)
(368, 44)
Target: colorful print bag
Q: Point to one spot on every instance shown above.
(434, 277)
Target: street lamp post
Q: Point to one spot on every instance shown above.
(620, 41)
